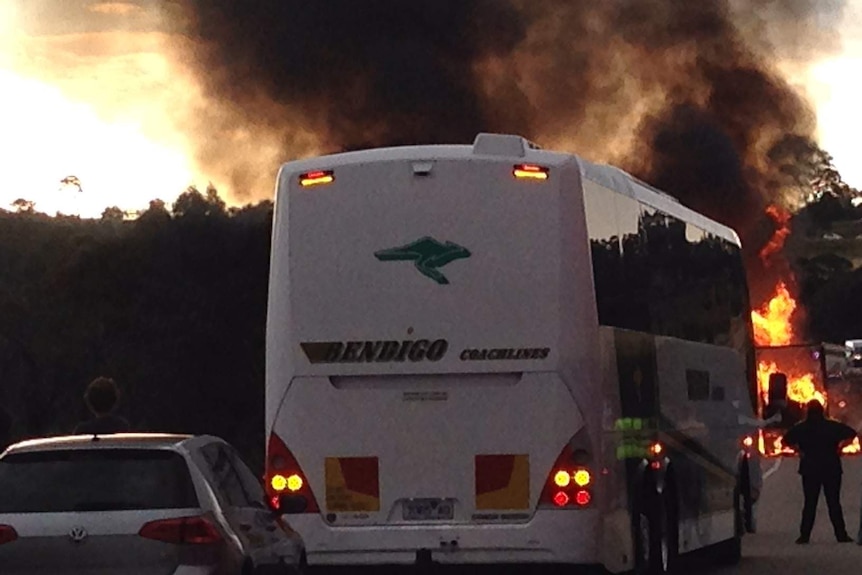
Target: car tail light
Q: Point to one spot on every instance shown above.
(568, 481)
(284, 476)
(182, 530)
(7, 534)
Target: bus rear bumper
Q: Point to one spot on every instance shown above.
(550, 537)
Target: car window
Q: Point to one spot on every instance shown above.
(94, 480)
(226, 480)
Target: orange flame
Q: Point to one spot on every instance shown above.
(782, 218)
(800, 387)
(772, 322)
(853, 448)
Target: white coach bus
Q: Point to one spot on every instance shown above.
(495, 354)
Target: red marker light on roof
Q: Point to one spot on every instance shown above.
(316, 178)
(530, 171)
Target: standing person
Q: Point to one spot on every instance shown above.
(102, 397)
(818, 441)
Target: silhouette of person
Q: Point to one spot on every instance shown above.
(818, 441)
(102, 397)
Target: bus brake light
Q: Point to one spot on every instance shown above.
(316, 178)
(560, 499)
(582, 497)
(530, 171)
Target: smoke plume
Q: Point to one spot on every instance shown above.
(685, 95)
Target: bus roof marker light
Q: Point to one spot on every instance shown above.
(316, 177)
(530, 172)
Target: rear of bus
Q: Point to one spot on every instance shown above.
(431, 341)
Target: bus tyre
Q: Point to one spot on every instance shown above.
(652, 543)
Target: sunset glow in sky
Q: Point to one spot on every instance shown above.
(89, 89)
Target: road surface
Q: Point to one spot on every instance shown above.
(772, 551)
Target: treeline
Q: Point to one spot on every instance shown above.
(173, 306)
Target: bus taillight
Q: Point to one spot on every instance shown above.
(568, 481)
(285, 479)
(582, 477)
(583, 498)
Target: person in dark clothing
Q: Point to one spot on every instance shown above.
(102, 397)
(818, 441)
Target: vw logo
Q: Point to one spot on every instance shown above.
(77, 534)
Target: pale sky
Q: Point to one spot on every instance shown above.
(90, 89)
(837, 86)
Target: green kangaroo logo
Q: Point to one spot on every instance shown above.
(427, 254)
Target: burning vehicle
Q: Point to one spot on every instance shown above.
(803, 372)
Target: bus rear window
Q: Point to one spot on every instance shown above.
(94, 480)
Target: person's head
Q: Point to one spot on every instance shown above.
(815, 409)
(102, 396)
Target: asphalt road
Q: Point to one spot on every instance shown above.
(772, 551)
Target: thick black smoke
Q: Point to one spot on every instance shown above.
(685, 95)
(361, 73)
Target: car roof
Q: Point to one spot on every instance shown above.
(172, 441)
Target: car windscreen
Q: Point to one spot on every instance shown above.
(94, 480)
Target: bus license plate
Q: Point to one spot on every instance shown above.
(428, 509)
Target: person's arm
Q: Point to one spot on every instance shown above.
(791, 438)
(846, 432)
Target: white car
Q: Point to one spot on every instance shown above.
(137, 503)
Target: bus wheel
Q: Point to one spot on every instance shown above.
(651, 536)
